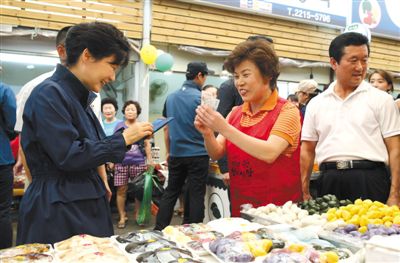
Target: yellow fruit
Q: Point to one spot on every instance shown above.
(373, 214)
(331, 217)
(267, 244)
(362, 229)
(387, 218)
(388, 224)
(346, 215)
(378, 222)
(296, 248)
(363, 221)
(367, 202)
(395, 208)
(338, 213)
(363, 210)
(378, 204)
(395, 214)
(355, 220)
(331, 257)
(396, 220)
(358, 202)
(354, 210)
(331, 210)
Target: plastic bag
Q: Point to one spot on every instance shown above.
(144, 214)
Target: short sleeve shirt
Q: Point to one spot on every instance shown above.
(353, 128)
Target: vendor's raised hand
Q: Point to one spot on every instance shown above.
(211, 118)
(137, 132)
(201, 127)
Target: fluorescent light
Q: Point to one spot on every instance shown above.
(29, 59)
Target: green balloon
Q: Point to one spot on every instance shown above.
(164, 62)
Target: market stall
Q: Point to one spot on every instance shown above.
(321, 230)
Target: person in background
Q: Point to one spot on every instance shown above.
(26, 91)
(134, 162)
(383, 80)
(7, 122)
(260, 137)
(65, 144)
(306, 90)
(187, 158)
(353, 130)
(210, 90)
(109, 108)
(293, 99)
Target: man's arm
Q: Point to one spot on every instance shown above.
(307, 156)
(393, 148)
(166, 140)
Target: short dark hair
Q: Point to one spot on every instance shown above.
(338, 44)
(109, 101)
(384, 74)
(62, 35)
(261, 53)
(137, 105)
(101, 39)
(293, 97)
(209, 86)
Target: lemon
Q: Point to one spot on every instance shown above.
(331, 217)
(331, 257)
(358, 202)
(388, 224)
(296, 248)
(363, 221)
(362, 229)
(346, 215)
(378, 204)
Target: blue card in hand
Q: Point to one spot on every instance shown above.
(161, 122)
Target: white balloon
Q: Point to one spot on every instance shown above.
(359, 28)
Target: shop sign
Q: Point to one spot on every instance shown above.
(332, 13)
(380, 16)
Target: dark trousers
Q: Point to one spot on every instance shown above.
(351, 184)
(6, 188)
(195, 170)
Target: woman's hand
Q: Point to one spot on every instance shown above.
(204, 130)
(210, 118)
(136, 132)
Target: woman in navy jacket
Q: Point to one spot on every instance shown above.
(64, 143)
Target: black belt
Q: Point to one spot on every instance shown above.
(351, 164)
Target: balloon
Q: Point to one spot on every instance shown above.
(359, 28)
(164, 62)
(148, 54)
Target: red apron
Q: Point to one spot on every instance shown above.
(257, 182)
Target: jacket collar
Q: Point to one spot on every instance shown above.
(73, 85)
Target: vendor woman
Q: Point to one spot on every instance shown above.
(65, 145)
(261, 137)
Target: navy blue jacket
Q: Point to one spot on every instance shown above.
(64, 144)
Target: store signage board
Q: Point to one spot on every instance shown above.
(381, 16)
(330, 13)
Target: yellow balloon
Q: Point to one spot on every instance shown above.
(148, 54)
